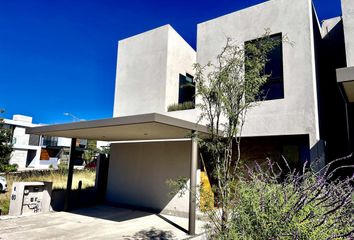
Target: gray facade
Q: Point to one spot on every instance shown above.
(297, 112)
(148, 69)
(138, 175)
(348, 22)
(310, 120)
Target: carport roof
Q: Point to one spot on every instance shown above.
(138, 127)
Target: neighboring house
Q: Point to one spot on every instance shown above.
(56, 150)
(26, 149)
(38, 152)
(303, 117)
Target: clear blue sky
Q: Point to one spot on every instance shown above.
(59, 56)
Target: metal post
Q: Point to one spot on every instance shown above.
(70, 175)
(193, 183)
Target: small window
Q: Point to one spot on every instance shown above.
(274, 87)
(186, 89)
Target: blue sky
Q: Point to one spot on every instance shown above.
(59, 56)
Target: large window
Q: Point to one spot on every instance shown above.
(186, 89)
(274, 87)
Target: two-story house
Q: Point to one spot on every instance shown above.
(303, 118)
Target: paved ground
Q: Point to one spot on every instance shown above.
(100, 222)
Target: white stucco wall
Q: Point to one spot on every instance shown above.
(148, 70)
(64, 142)
(297, 112)
(21, 142)
(19, 157)
(348, 22)
(180, 60)
(138, 173)
(20, 136)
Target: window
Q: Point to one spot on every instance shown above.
(274, 87)
(186, 89)
(49, 141)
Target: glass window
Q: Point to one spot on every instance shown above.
(274, 87)
(49, 141)
(186, 89)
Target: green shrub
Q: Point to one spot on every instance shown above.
(8, 168)
(301, 206)
(63, 166)
(181, 106)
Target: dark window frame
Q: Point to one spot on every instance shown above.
(272, 81)
(186, 93)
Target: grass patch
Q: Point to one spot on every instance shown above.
(181, 106)
(58, 178)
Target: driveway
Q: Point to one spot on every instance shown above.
(99, 222)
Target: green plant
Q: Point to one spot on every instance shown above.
(304, 205)
(226, 92)
(91, 151)
(8, 168)
(5, 146)
(181, 106)
(63, 167)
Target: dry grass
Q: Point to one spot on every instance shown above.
(57, 177)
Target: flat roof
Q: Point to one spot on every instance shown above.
(137, 127)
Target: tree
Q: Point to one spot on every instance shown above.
(227, 89)
(91, 150)
(5, 145)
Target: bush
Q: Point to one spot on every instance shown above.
(63, 166)
(304, 205)
(8, 168)
(181, 106)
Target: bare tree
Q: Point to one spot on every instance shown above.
(227, 88)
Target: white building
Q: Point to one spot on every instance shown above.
(32, 151)
(26, 149)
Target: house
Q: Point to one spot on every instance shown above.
(26, 149)
(303, 117)
(32, 152)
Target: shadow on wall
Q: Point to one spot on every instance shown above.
(78, 198)
(138, 174)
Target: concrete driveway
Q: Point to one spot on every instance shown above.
(99, 222)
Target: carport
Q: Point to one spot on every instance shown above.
(132, 128)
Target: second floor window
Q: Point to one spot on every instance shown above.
(186, 89)
(274, 87)
(49, 141)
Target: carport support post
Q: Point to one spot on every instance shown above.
(70, 175)
(193, 185)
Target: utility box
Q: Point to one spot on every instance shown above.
(30, 198)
